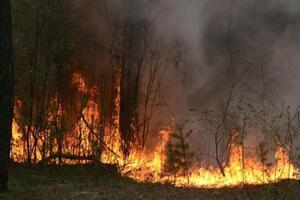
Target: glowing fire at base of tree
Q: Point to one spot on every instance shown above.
(143, 165)
(149, 166)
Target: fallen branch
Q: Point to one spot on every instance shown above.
(99, 138)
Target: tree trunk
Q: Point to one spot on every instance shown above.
(131, 65)
(6, 91)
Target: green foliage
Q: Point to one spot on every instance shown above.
(180, 158)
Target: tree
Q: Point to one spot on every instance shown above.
(227, 115)
(6, 88)
(42, 58)
(180, 158)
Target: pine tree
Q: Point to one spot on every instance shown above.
(180, 158)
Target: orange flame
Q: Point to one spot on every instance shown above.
(142, 165)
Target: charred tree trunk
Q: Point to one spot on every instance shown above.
(129, 86)
(7, 90)
(59, 111)
(29, 133)
(133, 58)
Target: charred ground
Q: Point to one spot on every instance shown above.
(96, 182)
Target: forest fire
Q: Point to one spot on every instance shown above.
(150, 167)
(144, 165)
(149, 99)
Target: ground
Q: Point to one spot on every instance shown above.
(94, 182)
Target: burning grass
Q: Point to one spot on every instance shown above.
(150, 167)
(83, 142)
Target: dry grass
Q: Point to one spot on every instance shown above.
(94, 182)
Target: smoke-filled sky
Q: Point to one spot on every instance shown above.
(261, 34)
(264, 31)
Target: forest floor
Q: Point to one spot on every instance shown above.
(92, 182)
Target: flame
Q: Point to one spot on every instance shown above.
(143, 165)
(17, 146)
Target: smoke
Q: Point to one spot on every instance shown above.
(262, 33)
(265, 32)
